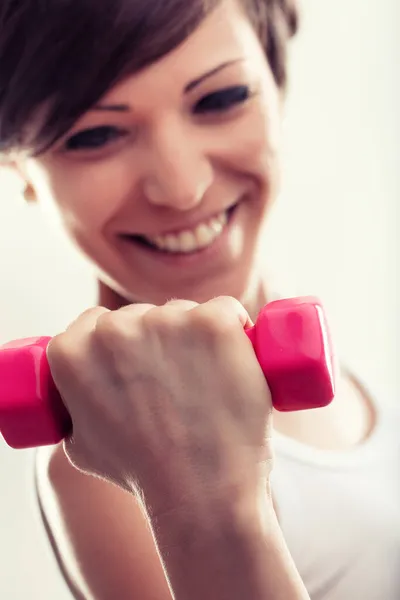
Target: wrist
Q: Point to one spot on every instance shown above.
(203, 524)
(209, 504)
(234, 554)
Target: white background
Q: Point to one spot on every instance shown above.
(334, 233)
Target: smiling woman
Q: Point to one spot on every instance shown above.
(162, 175)
(153, 129)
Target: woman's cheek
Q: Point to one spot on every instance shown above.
(89, 192)
(259, 147)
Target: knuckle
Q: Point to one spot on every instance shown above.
(215, 321)
(228, 304)
(181, 304)
(110, 329)
(162, 321)
(94, 311)
(56, 347)
(70, 344)
(89, 314)
(60, 351)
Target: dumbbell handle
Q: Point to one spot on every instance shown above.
(290, 339)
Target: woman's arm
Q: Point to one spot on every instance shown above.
(105, 549)
(99, 534)
(234, 556)
(161, 405)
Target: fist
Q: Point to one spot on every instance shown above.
(161, 403)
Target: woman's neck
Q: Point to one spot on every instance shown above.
(109, 298)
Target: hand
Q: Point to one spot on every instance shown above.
(167, 402)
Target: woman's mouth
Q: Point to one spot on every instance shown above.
(213, 246)
(189, 241)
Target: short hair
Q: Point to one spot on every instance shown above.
(66, 54)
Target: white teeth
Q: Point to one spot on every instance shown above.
(223, 218)
(204, 235)
(171, 243)
(187, 241)
(158, 241)
(216, 226)
(190, 241)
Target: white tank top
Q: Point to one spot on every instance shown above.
(340, 512)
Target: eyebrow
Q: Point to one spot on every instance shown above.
(188, 88)
(112, 107)
(193, 84)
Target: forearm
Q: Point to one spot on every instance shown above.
(232, 560)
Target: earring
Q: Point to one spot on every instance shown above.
(29, 193)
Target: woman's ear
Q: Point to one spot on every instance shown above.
(16, 167)
(29, 193)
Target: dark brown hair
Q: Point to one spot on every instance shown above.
(66, 54)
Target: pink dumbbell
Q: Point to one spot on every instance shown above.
(290, 338)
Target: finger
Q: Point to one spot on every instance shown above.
(170, 316)
(184, 305)
(74, 335)
(227, 307)
(87, 319)
(173, 303)
(136, 310)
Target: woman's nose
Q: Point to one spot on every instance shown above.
(180, 172)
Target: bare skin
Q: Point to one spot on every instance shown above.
(118, 559)
(149, 181)
(185, 434)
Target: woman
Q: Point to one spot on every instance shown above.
(153, 130)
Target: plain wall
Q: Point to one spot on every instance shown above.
(333, 233)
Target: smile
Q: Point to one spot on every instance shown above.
(189, 240)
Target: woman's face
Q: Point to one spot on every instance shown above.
(165, 184)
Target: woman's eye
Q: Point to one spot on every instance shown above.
(92, 139)
(223, 99)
